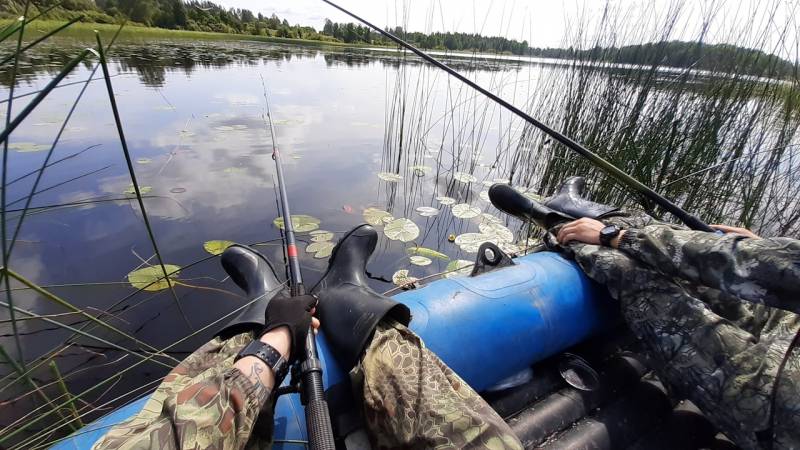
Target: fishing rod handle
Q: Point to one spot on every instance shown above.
(318, 419)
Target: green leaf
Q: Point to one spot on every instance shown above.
(464, 177)
(427, 211)
(421, 171)
(132, 191)
(427, 252)
(151, 278)
(495, 229)
(300, 222)
(401, 278)
(374, 216)
(389, 177)
(446, 200)
(458, 267)
(321, 236)
(27, 147)
(217, 247)
(402, 230)
(465, 211)
(420, 261)
(320, 249)
(484, 195)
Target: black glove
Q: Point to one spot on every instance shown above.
(293, 312)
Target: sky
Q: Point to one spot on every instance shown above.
(547, 23)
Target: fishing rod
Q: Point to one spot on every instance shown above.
(687, 218)
(318, 420)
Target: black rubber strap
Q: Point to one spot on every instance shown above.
(271, 357)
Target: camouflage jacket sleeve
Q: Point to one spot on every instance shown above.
(203, 403)
(765, 271)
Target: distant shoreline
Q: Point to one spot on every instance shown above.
(137, 32)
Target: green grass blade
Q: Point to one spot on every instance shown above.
(132, 172)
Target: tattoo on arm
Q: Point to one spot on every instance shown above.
(256, 369)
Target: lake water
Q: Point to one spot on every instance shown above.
(360, 130)
(193, 116)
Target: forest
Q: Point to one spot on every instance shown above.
(195, 15)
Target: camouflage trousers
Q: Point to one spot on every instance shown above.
(721, 353)
(411, 400)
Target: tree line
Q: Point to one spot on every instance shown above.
(202, 15)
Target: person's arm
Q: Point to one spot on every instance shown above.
(211, 401)
(765, 271)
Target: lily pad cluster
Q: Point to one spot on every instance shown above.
(321, 244)
(216, 247)
(301, 223)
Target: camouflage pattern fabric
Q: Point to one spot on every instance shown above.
(413, 400)
(705, 306)
(203, 403)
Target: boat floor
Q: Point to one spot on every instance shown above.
(630, 407)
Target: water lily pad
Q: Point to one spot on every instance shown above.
(501, 180)
(144, 161)
(486, 217)
(387, 219)
(427, 211)
(471, 238)
(465, 211)
(321, 236)
(224, 128)
(402, 230)
(496, 229)
(178, 190)
(458, 267)
(487, 183)
(374, 216)
(420, 261)
(484, 195)
(511, 249)
(27, 147)
(132, 191)
(216, 247)
(233, 170)
(427, 252)
(464, 177)
(300, 222)
(320, 249)
(389, 177)
(401, 278)
(152, 278)
(446, 200)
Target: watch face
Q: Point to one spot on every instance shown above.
(610, 230)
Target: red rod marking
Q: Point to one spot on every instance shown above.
(291, 251)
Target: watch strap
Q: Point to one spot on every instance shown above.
(271, 357)
(607, 234)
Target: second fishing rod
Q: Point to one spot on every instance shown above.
(318, 420)
(687, 218)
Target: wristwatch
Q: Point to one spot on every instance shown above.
(271, 357)
(608, 234)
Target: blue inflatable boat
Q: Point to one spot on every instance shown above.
(539, 306)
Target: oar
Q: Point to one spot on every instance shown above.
(690, 220)
(318, 420)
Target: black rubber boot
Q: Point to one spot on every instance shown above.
(348, 308)
(569, 200)
(568, 204)
(251, 271)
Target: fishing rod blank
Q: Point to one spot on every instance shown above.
(318, 420)
(690, 220)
